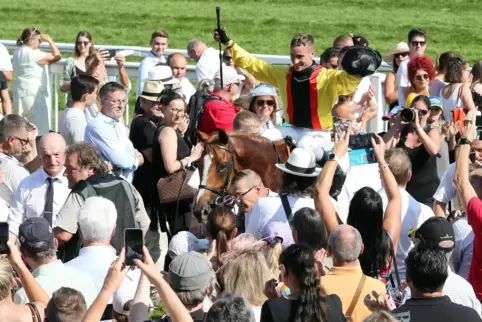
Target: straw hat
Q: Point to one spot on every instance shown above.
(152, 89)
(401, 47)
(162, 73)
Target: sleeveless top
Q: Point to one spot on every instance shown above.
(157, 162)
(450, 102)
(425, 180)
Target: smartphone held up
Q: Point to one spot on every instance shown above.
(133, 243)
(4, 238)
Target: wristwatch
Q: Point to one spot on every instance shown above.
(333, 157)
(464, 141)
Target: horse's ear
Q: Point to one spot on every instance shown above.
(223, 137)
(202, 136)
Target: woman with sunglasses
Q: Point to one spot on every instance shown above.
(457, 92)
(264, 104)
(74, 66)
(420, 73)
(30, 86)
(396, 56)
(422, 144)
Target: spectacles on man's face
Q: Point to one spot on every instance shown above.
(22, 141)
(417, 43)
(422, 77)
(240, 196)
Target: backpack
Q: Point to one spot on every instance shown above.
(195, 110)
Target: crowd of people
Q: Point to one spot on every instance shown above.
(404, 247)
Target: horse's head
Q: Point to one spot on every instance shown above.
(216, 170)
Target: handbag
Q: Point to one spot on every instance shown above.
(459, 112)
(174, 188)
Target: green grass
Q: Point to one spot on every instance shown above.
(264, 26)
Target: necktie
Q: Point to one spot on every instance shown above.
(49, 200)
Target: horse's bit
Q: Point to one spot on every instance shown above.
(223, 192)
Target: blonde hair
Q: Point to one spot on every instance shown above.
(272, 254)
(244, 120)
(246, 276)
(5, 278)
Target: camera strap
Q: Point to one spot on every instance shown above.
(286, 206)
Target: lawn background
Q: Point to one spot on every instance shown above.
(264, 26)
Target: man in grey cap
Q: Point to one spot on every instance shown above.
(192, 277)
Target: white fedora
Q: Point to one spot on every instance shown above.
(162, 73)
(152, 89)
(300, 163)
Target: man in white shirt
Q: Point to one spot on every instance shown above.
(178, 64)
(109, 135)
(72, 121)
(6, 63)
(247, 187)
(417, 44)
(159, 42)
(207, 59)
(16, 136)
(299, 177)
(38, 246)
(44, 192)
(414, 213)
(97, 222)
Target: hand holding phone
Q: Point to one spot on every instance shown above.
(133, 243)
(112, 53)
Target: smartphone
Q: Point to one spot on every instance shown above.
(362, 156)
(3, 238)
(112, 53)
(133, 242)
(472, 157)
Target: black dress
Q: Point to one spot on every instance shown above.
(283, 310)
(425, 180)
(168, 210)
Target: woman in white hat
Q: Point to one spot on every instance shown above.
(265, 103)
(396, 56)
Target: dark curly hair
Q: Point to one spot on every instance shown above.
(298, 259)
(420, 62)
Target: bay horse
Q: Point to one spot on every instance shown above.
(226, 153)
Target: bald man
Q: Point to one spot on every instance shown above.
(178, 64)
(44, 192)
(207, 59)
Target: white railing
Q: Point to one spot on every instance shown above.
(55, 76)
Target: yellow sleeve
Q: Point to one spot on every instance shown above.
(409, 100)
(261, 70)
(345, 83)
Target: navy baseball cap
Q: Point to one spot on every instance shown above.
(34, 230)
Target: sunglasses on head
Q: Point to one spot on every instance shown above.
(401, 55)
(422, 77)
(267, 102)
(415, 43)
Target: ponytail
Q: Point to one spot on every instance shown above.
(27, 33)
(19, 41)
(221, 245)
(220, 226)
(299, 260)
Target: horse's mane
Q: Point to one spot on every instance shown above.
(214, 138)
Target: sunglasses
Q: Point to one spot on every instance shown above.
(416, 43)
(401, 55)
(423, 112)
(422, 77)
(85, 43)
(267, 102)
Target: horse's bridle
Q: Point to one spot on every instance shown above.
(223, 192)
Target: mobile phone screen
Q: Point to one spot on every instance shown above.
(3, 238)
(112, 52)
(133, 242)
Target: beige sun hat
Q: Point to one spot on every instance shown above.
(401, 47)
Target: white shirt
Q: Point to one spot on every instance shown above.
(464, 247)
(102, 256)
(5, 62)
(55, 275)
(208, 64)
(146, 64)
(14, 172)
(30, 77)
(248, 214)
(446, 191)
(402, 80)
(29, 199)
(269, 209)
(3, 210)
(414, 214)
(72, 123)
(187, 89)
(461, 292)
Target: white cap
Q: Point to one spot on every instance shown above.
(184, 242)
(230, 76)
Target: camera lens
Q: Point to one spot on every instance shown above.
(407, 115)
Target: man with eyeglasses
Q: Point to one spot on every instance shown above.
(17, 153)
(219, 111)
(417, 45)
(107, 133)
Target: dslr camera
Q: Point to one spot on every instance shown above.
(408, 114)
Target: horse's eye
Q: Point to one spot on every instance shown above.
(221, 166)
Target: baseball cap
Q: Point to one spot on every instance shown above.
(185, 242)
(437, 232)
(34, 230)
(189, 272)
(230, 76)
(277, 229)
(435, 101)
